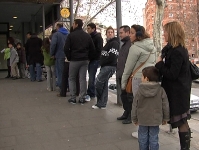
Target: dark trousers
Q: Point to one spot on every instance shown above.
(127, 98)
(9, 67)
(65, 84)
(92, 69)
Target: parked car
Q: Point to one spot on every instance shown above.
(194, 103)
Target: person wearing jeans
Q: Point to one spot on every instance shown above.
(94, 63)
(108, 62)
(35, 67)
(57, 50)
(102, 85)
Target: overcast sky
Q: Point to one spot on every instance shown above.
(128, 18)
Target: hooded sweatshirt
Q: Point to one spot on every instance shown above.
(150, 105)
(138, 53)
(14, 58)
(58, 42)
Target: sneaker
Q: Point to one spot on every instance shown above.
(135, 135)
(72, 101)
(87, 98)
(82, 101)
(96, 107)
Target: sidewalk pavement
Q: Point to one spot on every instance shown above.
(32, 118)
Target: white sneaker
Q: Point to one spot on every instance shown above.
(87, 98)
(135, 135)
(96, 107)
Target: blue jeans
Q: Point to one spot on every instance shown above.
(59, 64)
(101, 85)
(92, 69)
(148, 137)
(32, 72)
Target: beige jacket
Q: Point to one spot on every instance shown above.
(138, 53)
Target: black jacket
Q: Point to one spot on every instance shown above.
(176, 79)
(33, 50)
(79, 46)
(109, 53)
(98, 42)
(22, 55)
(123, 54)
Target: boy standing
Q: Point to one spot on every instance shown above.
(14, 59)
(150, 109)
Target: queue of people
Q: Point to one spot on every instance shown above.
(68, 56)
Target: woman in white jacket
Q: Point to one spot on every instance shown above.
(142, 50)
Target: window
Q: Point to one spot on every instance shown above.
(170, 15)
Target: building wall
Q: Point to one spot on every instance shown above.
(184, 11)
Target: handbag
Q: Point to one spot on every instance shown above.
(129, 82)
(194, 71)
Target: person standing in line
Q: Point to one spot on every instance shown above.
(94, 63)
(49, 63)
(22, 60)
(35, 57)
(150, 109)
(79, 49)
(176, 80)
(57, 51)
(108, 63)
(14, 59)
(126, 98)
(141, 50)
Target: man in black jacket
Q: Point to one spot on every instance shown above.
(94, 63)
(127, 99)
(79, 49)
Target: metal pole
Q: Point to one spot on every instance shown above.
(43, 13)
(71, 13)
(118, 15)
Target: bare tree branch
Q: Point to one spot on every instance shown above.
(76, 9)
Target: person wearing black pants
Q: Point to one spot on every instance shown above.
(64, 84)
(126, 98)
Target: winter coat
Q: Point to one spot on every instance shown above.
(98, 42)
(150, 105)
(14, 58)
(48, 60)
(110, 52)
(58, 42)
(6, 53)
(22, 55)
(79, 46)
(123, 53)
(176, 79)
(138, 53)
(33, 50)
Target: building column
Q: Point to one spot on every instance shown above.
(71, 13)
(118, 15)
(119, 24)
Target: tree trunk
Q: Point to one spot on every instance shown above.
(157, 27)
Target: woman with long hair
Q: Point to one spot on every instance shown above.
(49, 63)
(176, 80)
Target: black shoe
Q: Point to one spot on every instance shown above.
(72, 101)
(59, 95)
(121, 118)
(14, 78)
(126, 121)
(7, 76)
(184, 140)
(82, 101)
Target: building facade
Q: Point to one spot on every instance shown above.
(183, 11)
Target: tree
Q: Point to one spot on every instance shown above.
(89, 9)
(157, 26)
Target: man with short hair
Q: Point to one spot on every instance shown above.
(79, 49)
(57, 50)
(94, 63)
(126, 98)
